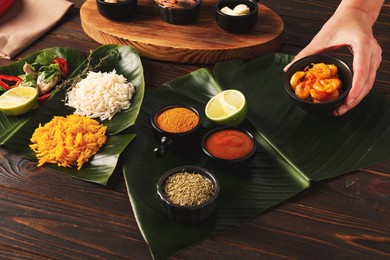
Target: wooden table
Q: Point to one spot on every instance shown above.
(44, 214)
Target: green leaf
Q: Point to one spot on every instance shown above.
(11, 124)
(294, 147)
(320, 147)
(124, 60)
(244, 192)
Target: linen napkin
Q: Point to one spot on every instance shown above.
(26, 21)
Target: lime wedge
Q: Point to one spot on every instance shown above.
(228, 108)
(18, 101)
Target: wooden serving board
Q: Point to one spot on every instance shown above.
(202, 42)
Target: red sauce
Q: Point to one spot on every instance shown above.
(229, 144)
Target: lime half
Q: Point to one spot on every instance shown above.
(18, 101)
(228, 108)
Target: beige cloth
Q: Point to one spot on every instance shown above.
(26, 21)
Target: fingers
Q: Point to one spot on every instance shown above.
(300, 55)
(308, 50)
(316, 46)
(365, 65)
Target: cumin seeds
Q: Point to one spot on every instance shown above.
(188, 189)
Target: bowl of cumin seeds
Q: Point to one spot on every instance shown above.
(188, 194)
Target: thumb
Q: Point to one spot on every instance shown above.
(307, 51)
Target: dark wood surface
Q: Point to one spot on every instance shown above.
(46, 215)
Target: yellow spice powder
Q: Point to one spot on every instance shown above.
(67, 141)
(177, 120)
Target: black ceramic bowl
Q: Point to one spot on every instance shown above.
(229, 146)
(185, 142)
(179, 15)
(121, 11)
(344, 73)
(188, 214)
(236, 24)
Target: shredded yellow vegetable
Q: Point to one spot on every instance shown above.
(68, 141)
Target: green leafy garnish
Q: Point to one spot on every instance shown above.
(28, 80)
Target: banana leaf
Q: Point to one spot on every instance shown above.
(11, 124)
(294, 148)
(319, 147)
(125, 60)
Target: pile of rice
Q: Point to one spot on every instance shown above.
(68, 141)
(100, 95)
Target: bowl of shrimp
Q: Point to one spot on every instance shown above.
(318, 83)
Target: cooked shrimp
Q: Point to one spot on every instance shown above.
(310, 76)
(327, 85)
(334, 95)
(44, 85)
(333, 85)
(318, 96)
(296, 78)
(302, 90)
(333, 69)
(318, 83)
(320, 70)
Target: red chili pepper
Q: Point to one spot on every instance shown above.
(9, 78)
(64, 67)
(44, 97)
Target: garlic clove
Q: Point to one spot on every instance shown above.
(241, 9)
(228, 11)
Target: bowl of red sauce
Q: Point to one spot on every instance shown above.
(229, 146)
(177, 127)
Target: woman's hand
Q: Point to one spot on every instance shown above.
(351, 26)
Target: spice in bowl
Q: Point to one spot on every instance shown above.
(177, 127)
(188, 189)
(177, 120)
(188, 194)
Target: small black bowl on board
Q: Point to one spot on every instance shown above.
(239, 21)
(229, 147)
(123, 10)
(177, 127)
(344, 73)
(188, 194)
(180, 13)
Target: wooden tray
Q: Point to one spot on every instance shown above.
(202, 42)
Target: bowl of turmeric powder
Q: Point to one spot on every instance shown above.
(318, 83)
(177, 127)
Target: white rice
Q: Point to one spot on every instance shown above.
(100, 95)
